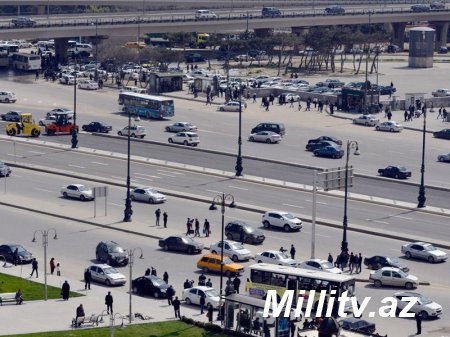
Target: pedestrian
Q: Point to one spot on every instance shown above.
(58, 269)
(157, 215)
(16, 256)
(206, 228)
(440, 112)
(135, 82)
(201, 279)
(267, 105)
(392, 84)
(208, 283)
(65, 290)
(299, 105)
(188, 226)
(406, 115)
(19, 297)
(359, 264)
(292, 251)
(170, 292)
(34, 267)
(236, 284)
(187, 284)
(52, 265)
(147, 272)
(351, 260)
(154, 272)
(165, 219)
(444, 115)
(292, 328)
(176, 307)
(209, 313)
(36, 75)
(166, 277)
(291, 101)
(308, 105)
(418, 318)
(197, 228)
(315, 101)
(109, 303)
(202, 303)
(254, 97)
(87, 279)
(330, 258)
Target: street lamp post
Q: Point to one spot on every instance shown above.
(45, 234)
(221, 199)
(421, 198)
(128, 211)
(351, 144)
(130, 264)
(239, 156)
(74, 129)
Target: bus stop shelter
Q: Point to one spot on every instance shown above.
(165, 82)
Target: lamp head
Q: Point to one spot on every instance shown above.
(357, 153)
(55, 237)
(141, 256)
(34, 238)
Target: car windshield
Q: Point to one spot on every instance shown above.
(227, 260)
(158, 282)
(237, 246)
(212, 293)
(115, 249)
(430, 248)
(283, 255)
(83, 188)
(249, 229)
(20, 249)
(288, 216)
(392, 260)
(188, 240)
(326, 265)
(110, 270)
(424, 300)
(402, 169)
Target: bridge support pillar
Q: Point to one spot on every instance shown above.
(263, 32)
(299, 31)
(398, 29)
(61, 46)
(441, 28)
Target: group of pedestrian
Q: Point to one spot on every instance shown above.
(442, 113)
(55, 267)
(193, 227)
(344, 260)
(153, 272)
(158, 216)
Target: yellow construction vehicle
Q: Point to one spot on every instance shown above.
(26, 127)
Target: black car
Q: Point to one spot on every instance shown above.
(329, 152)
(149, 286)
(358, 325)
(195, 58)
(386, 89)
(111, 253)
(393, 48)
(251, 234)
(445, 133)
(376, 262)
(12, 116)
(318, 145)
(328, 138)
(23, 255)
(397, 172)
(181, 243)
(97, 127)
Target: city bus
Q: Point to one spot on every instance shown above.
(148, 106)
(23, 61)
(264, 277)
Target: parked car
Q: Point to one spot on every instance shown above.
(5, 170)
(334, 10)
(23, 255)
(437, 5)
(444, 157)
(443, 50)
(97, 127)
(234, 250)
(389, 126)
(181, 126)
(136, 131)
(423, 306)
(393, 48)
(185, 138)
(329, 152)
(149, 286)
(283, 220)
(87, 84)
(327, 138)
(444, 133)
(275, 257)
(386, 89)
(111, 253)
(389, 276)
(106, 274)
(424, 251)
(67, 79)
(11, 116)
(269, 126)
(320, 265)
(441, 92)
(181, 243)
(358, 325)
(318, 145)
(397, 172)
(268, 137)
(59, 110)
(231, 106)
(7, 97)
(249, 234)
(147, 194)
(77, 191)
(193, 295)
(212, 263)
(367, 120)
(294, 96)
(376, 262)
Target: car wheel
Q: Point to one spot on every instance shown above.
(377, 283)
(441, 159)
(408, 255)
(6, 100)
(392, 130)
(108, 283)
(167, 129)
(259, 261)
(134, 290)
(133, 135)
(214, 252)
(268, 141)
(251, 139)
(185, 142)
(366, 124)
(166, 248)
(431, 259)
(424, 314)
(377, 128)
(205, 270)
(221, 109)
(409, 285)
(119, 133)
(235, 258)
(188, 301)
(229, 236)
(156, 294)
(151, 201)
(190, 250)
(381, 173)
(170, 140)
(65, 195)
(266, 224)
(287, 228)
(82, 198)
(248, 240)
(133, 198)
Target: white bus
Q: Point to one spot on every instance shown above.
(23, 61)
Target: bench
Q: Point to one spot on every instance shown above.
(79, 321)
(7, 297)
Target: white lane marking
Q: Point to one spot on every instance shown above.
(317, 202)
(147, 175)
(401, 217)
(37, 152)
(115, 177)
(145, 178)
(42, 189)
(77, 166)
(293, 206)
(378, 221)
(213, 191)
(98, 163)
(166, 174)
(114, 204)
(239, 188)
(15, 155)
(173, 172)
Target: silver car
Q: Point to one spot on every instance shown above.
(181, 126)
(106, 274)
(77, 191)
(147, 194)
(423, 306)
(367, 120)
(389, 126)
(444, 157)
(424, 251)
(389, 276)
(320, 265)
(268, 137)
(231, 106)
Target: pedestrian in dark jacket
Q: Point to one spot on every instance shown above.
(165, 216)
(79, 313)
(236, 284)
(209, 313)
(187, 284)
(359, 263)
(170, 292)
(188, 226)
(202, 303)
(292, 251)
(87, 279)
(109, 303)
(16, 256)
(176, 307)
(65, 290)
(330, 258)
(157, 215)
(34, 267)
(154, 272)
(197, 228)
(147, 272)
(418, 318)
(52, 265)
(206, 228)
(166, 277)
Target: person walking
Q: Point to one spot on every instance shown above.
(201, 279)
(16, 256)
(197, 228)
(418, 318)
(52, 265)
(147, 272)
(157, 215)
(236, 284)
(292, 252)
(351, 260)
(176, 307)
(439, 112)
(202, 303)
(165, 219)
(34, 267)
(330, 258)
(109, 303)
(87, 279)
(242, 235)
(208, 283)
(36, 75)
(188, 226)
(65, 290)
(254, 97)
(166, 277)
(58, 269)
(359, 264)
(169, 293)
(209, 313)
(154, 272)
(206, 228)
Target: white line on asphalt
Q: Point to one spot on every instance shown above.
(98, 163)
(37, 152)
(114, 204)
(42, 189)
(147, 175)
(77, 166)
(378, 221)
(318, 202)
(15, 155)
(120, 178)
(213, 191)
(165, 174)
(143, 178)
(239, 188)
(293, 206)
(165, 171)
(401, 217)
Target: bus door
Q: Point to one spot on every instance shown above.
(292, 285)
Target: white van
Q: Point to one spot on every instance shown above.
(205, 14)
(7, 97)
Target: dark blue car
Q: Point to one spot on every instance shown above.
(318, 145)
(329, 152)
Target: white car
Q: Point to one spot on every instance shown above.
(424, 306)
(231, 106)
(367, 120)
(442, 92)
(424, 251)
(147, 194)
(47, 120)
(192, 296)
(77, 191)
(294, 96)
(268, 137)
(444, 157)
(181, 126)
(320, 265)
(87, 84)
(205, 14)
(185, 138)
(389, 126)
(390, 276)
(275, 257)
(283, 220)
(106, 274)
(232, 249)
(67, 79)
(136, 131)
(7, 97)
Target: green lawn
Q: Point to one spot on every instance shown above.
(31, 290)
(161, 329)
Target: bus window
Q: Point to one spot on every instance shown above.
(278, 280)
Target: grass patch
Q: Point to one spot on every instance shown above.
(160, 329)
(31, 290)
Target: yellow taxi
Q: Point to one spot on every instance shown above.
(211, 262)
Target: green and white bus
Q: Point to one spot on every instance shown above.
(147, 106)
